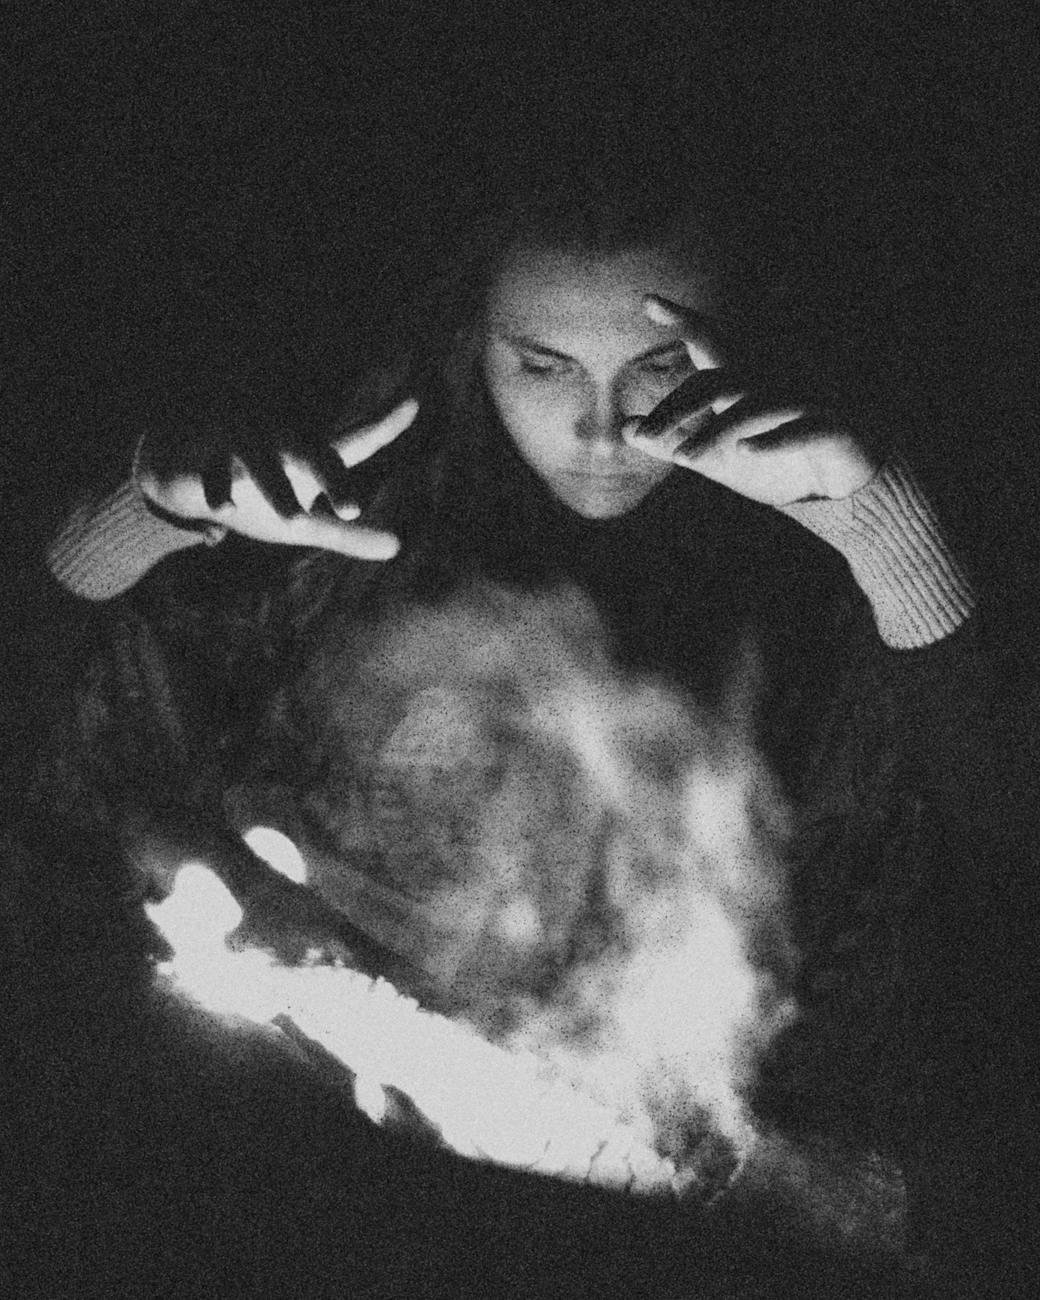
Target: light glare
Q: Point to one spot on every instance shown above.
(278, 851)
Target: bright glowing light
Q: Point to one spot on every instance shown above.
(486, 1102)
(278, 851)
(198, 908)
(584, 867)
(370, 1098)
(590, 874)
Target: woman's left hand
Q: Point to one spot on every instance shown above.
(760, 444)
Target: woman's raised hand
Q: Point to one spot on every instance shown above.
(758, 443)
(291, 498)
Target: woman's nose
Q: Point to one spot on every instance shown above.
(601, 421)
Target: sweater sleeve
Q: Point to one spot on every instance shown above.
(107, 546)
(895, 547)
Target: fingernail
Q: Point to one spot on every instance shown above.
(659, 310)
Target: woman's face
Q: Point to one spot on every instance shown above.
(569, 355)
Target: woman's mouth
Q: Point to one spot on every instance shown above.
(609, 481)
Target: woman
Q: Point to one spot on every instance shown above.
(582, 417)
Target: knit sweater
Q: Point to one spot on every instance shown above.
(887, 532)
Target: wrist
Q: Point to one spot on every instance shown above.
(107, 546)
(205, 529)
(897, 552)
(200, 530)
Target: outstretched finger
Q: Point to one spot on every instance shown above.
(752, 426)
(265, 467)
(662, 447)
(698, 332)
(332, 476)
(758, 416)
(704, 393)
(347, 539)
(357, 445)
(216, 478)
(216, 473)
(313, 494)
(796, 432)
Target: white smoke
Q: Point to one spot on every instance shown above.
(592, 864)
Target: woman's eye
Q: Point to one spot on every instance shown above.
(544, 369)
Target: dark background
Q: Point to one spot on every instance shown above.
(185, 180)
(184, 177)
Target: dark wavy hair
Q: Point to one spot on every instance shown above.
(436, 479)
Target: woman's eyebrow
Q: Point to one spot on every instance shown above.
(532, 345)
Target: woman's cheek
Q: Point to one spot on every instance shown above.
(523, 401)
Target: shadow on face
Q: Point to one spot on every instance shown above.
(569, 355)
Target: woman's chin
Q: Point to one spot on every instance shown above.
(606, 499)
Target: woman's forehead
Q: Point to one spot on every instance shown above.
(545, 291)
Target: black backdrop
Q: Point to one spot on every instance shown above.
(188, 173)
(183, 177)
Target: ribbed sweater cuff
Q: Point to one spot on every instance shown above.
(108, 545)
(894, 545)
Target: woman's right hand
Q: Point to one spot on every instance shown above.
(271, 495)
